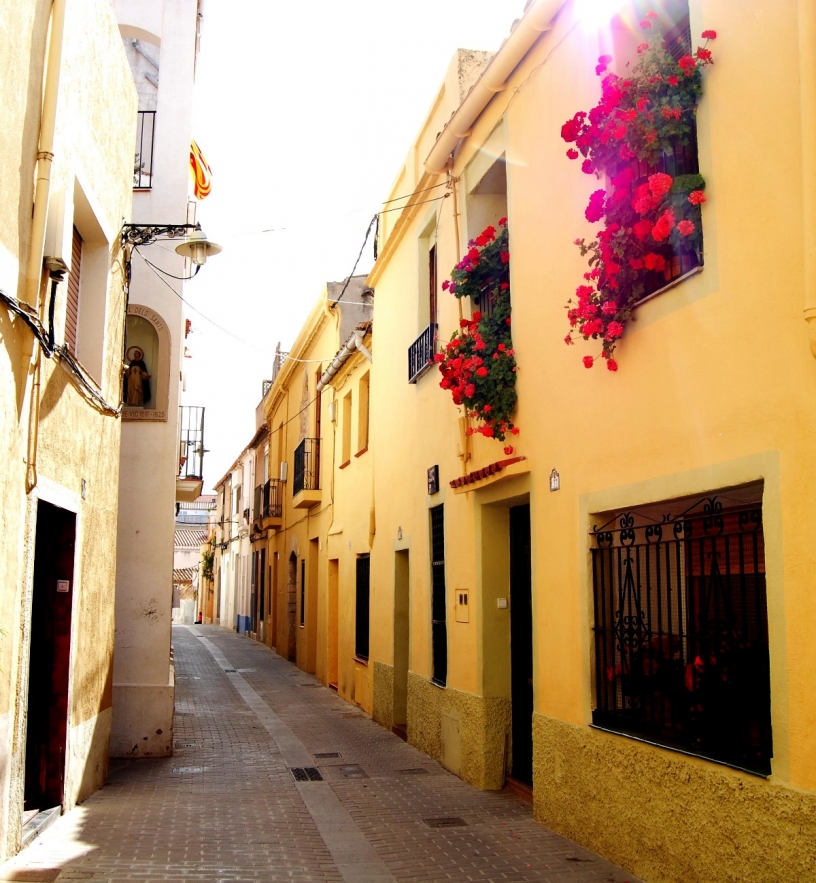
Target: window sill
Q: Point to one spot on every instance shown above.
(676, 750)
(360, 660)
(343, 465)
(361, 451)
(669, 285)
(439, 684)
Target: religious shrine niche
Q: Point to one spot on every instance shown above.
(146, 370)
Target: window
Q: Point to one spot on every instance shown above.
(439, 626)
(362, 610)
(683, 159)
(72, 307)
(346, 451)
(362, 414)
(421, 351)
(237, 508)
(681, 629)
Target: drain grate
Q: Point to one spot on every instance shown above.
(447, 822)
(324, 754)
(228, 669)
(309, 685)
(187, 745)
(306, 774)
(414, 771)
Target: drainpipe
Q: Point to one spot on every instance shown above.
(42, 193)
(355, 342)
(807, 93)
(45, 155)
(535, 22)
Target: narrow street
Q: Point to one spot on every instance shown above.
(226, 806)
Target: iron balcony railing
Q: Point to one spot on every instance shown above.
(269, 499)
(307, 466)
(421, 353)
(145, 139)
(191, 442)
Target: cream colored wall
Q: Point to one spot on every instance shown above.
(715, 388)
(149, 457)
(93, 145)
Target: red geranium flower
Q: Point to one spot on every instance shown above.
(686, 228)
(588, 361)
(709, 35)
(696, 197)
(572, 153)
(612, 365)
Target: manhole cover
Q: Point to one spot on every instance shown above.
(324, 754)
(306, 774)
(352, 771)
(447, 822)
(414, 771)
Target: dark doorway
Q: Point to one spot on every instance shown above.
(402, 642)
(49, 657)
(521, 645)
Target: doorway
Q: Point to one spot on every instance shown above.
(401, 642)
(333, 648)
(521, 646)
(49, 657)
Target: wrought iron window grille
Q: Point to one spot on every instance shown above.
(145, 139)
(421, 353)
(681, 631)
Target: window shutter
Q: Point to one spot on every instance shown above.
(72, 308)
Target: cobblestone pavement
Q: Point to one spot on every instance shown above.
(226, 806)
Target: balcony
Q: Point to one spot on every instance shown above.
(421, 353)
(145, 138)
(190, 477)
(306, 481)
(268, 509)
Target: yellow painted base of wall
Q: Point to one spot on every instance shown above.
(667, 817)
(383, 695)
(465, 733)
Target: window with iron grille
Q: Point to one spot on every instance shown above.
(681, 630)
(363, 608)
(439, 625)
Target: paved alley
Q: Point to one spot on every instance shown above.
(227, 806)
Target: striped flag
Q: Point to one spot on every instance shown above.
(201, 172)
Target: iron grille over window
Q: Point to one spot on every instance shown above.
(421, 353)
(307, 466)
(488, 296)
(191, 442)
(439, 625)
(361, 624)
(681, 632)
(143, 166)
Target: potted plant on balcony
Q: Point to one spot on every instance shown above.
(478, 363)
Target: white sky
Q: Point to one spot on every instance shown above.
(305, 112)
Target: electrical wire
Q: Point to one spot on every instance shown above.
(415, 193)
(155, 267)
(401, 208)
(362, 248)
(45, 338)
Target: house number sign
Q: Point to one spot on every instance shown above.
(433, 480)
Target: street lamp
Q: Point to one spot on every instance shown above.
(197, 247)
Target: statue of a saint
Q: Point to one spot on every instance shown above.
(137, 381)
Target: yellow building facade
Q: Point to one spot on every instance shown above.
(66, 177)
(613, 606)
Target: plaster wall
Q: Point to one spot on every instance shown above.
(715, 389)
(150, 448)
(77, 444)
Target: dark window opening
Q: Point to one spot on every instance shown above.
(303, 591)
(363, 608)
(439, 625)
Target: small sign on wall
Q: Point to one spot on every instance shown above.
(63, 585)
(433, 480)
(462, 606)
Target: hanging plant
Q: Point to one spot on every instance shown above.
(478, 363)
(650, 220)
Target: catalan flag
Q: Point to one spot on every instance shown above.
(201, 172)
